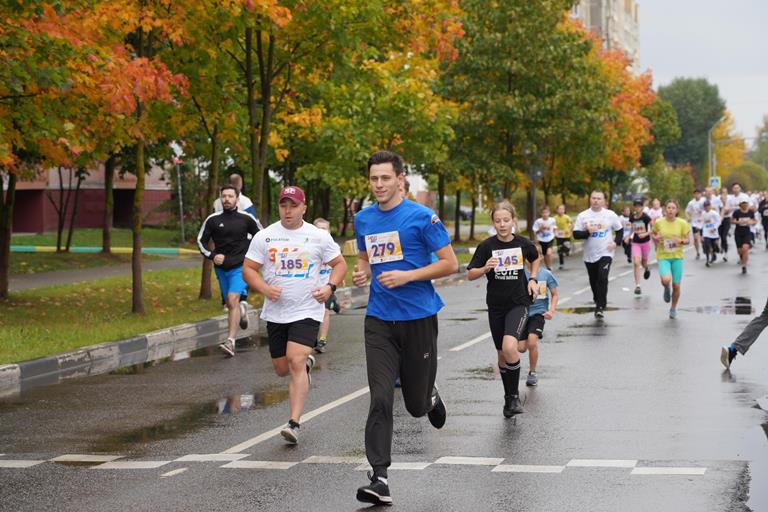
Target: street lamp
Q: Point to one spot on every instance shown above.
(710, 153)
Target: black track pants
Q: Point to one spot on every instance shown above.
(598, 280)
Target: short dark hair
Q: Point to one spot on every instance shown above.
(387, 157)
(697, 190)
(736, 183)
(228, 187)
(637, 202)
(598, 191)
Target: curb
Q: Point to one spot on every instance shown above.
(164, 251)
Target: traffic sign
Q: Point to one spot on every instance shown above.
(714, 181)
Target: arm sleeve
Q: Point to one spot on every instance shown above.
(330, 249)
(618, 236)
(551, 281)
(530, 252)
(253, 226)
(359, 235)
(579, 229)
(434, 233)
(257, 250)
(479, 258)
(203, 237)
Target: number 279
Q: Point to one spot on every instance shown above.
(380, 250)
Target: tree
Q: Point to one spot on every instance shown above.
(664, 129)
(760, 154)
(729, 146)
(750, 175)
(698, 105)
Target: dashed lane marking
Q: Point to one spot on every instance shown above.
(173, 473)
(259, 464)
(76, 457)
(18, 464)
(471, 342)
(398, 466)
(320, 459)
(668, 471)
(133, 464)
(208, 457)
(601, 463)
(523, 468)
(470, 461)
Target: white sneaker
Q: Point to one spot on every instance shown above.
(243, 314)
(228, 347)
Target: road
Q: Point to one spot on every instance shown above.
(631, 413)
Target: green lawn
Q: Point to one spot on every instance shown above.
(37, 262)
(47, 321)
(91, 237)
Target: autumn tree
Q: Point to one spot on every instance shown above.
(728, 146)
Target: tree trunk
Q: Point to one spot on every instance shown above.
(472, 221)
(457, 218)
(80, 177)
(138, 201)
(326, 202)
(109, 203)
(345, 219)
(210, 197)
(441, 195)
(530, 215)
(7, 199)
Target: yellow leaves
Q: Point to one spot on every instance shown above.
(729, 146)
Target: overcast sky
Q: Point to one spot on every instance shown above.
(723, 41)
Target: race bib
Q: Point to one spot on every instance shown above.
(291, 263)
(542, 291)
(670, 245)
(383, 247)
(639, 228)
(509, 259)
(561, 233)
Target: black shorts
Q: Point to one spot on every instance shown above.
(535, 325)
(303, 332)
(745, 239)
(545, 246)
(696, 231)
(507, 322)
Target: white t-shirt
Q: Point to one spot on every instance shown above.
(716, 203)
(732, 203)
(547, 234)
(626, 225)
(710, 221)
(655, 214)
(606, 221)
(695, 208)
(292, 259)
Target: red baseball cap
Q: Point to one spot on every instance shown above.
(295, 194)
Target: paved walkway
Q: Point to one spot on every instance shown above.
(46, 279)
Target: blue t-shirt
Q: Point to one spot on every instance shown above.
(541, 304)
(400, 239)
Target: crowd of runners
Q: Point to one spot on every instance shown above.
(403, 246)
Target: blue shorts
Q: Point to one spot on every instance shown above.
(231, 281)
(672, 266)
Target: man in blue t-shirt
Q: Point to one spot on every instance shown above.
(395, 239)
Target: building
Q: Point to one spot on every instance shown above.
(615, 22)
(33, 211)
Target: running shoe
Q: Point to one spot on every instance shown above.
(310, 364)
(727, 354)
(698, 256)
(243, 314)
(532, 379)
(290, 432)
(228, 347)
(320, 347)
(599, 313)
(512, 406)
(743, 270)
(707, 264)
(672, 313)
(638, 291)
(647, 273)
(725, 258)
(560, 267)
(714, 257)
(438, 412)
(376, 492)
(667, 294)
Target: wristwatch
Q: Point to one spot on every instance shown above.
(333, 287)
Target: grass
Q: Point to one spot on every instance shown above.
(91, 237)
(23, 263)
(45, 321)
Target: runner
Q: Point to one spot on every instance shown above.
(243, 203)
(626, 240)
(745, 340)
(641, 243)
(655, 212)
(731, 203)
(509, 293)
(743, 219)
(693, 214)
(542, 309)
(290, 254)
(602, 232)
(332, 303)
(710, 219)
(231, 231)
(395, 239)
(762, 208)
(563, 234)
(544, 229)
(670, 234)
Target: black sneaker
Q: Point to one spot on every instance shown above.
(320, 347)
(599, 313)
(512, 406)
(707, 264)
(638, 291)
(743, 270)
(647, 273)
(727, 356)
(668, 293)
(438, 412)
(243, 314)
(377, 492)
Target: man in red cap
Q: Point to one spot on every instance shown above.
(290, 254)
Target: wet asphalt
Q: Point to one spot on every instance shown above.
(637, 389)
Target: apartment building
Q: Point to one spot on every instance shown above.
(615, 22)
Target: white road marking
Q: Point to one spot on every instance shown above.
(471, 342)
(73, 457)
(518, 468)
(669, 471)
(399, 465)
(320, 459)
(470, 461)
(306, 417)
(174, 472)
(581, 290)
(133, 464)
(208, 457)
(601, 463)
(259, 464)
(19, 463)
(563, 300)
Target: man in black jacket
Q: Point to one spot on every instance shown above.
(231, 231)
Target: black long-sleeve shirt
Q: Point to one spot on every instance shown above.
(231, 232)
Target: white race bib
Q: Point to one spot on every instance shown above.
(670, 245)
(639, 228)
(383, 247)
(509, 259)
(542, 290)
(291, 263)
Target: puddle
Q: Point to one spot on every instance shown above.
(582, 310)
(732, 306)
(239, 403)
(483, 372)
(463, 319)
